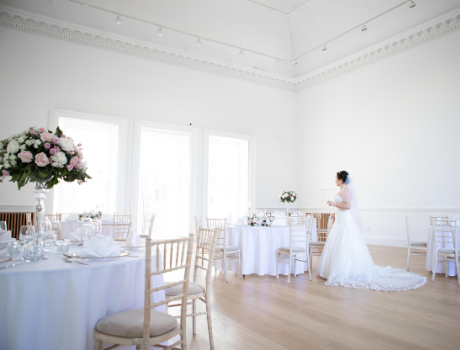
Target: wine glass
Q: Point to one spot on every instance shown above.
(27, 233)
(3, 226)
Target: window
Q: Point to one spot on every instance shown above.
(103, 140)
(229, 180)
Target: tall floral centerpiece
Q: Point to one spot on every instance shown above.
(44, 157)
(288, 196)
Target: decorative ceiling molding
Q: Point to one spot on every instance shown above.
(146, 50)
(28, 22)
(433, 29)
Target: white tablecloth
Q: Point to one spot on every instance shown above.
(53, 305)
(259, 247)
(430, 254)
(67, 227)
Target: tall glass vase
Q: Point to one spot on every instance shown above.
(40, 194)
(287, 208)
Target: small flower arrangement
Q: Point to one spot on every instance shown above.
(265, 221)
(288, 196)
(40, 155)
(94, 215)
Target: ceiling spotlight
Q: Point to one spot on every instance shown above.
(412, 4)
(118, 20)
(295, 62)
(324, 48)
(363, 28)
(160, 32)
(277, 62)
(198, 42)
(241, 53)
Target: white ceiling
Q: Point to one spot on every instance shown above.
(282, 29)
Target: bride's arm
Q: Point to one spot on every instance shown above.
(344, 205)
(346, 197)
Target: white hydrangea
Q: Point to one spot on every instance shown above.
(59, 159)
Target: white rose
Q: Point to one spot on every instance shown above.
(22, 147)
(66, 144)
(7, 156)
(59, 159)
(37, 143)
(6, 165)
(84, 166)
(30, 142)
(13, 147)
(21, 139)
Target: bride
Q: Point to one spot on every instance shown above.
(346, 261)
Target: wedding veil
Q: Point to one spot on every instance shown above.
(354, 202)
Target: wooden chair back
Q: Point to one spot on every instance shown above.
(54, 217)
(122, 218)
(198, 223)
(206, 239)
(438, 218)
(152, 220)
(446, 233)
(300, 232)
(221, 226)
(177, 255)
(317, 216)
(119, 232)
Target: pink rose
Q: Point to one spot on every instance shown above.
(53, 151)
(56, 148)
(79, 145)
(25, 156)
(48, 136)
(63, 135)
(5, 173)
(32, 132)
(41, 159)
(79, 166)
(42, 129)
(56, 140)
(69, 167)
(47, 145)
(50, 160)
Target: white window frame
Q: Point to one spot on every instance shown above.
(252, 165)
(125, 126)
(195, 164)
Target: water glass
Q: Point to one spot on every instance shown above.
(27, 233)
(62, 247)
(33, 250)
(97, 227)
(3, 226)
(86, 232)
(13, 249)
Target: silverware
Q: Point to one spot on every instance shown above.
(131, 256)
(5, 267)
(71, 261)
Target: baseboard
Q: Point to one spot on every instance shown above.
(386, 241)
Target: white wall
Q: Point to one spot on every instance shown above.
(40, 73)
(394, 125)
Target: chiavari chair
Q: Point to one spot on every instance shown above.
(300, 232)
(148, 327)
(316, 248)
(122, 218)
(119, 232)
(414, 247)
(224, 251)
(446, 235)
(206, 240)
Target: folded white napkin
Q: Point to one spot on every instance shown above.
(106, 217)
(133, 239)
(5, 236)
(76, 236)
(100, 247)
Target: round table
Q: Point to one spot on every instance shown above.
(51, 304)
(430, 253)
(259, 247)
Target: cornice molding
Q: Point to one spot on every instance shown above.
(87, 36)
(428, 31)
(29, 22)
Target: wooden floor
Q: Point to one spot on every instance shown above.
(261, 312)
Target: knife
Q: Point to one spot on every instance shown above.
(5, 267)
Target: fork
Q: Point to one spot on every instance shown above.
(71, 261)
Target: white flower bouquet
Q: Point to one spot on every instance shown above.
(94, 215)
(39, 155)
(288, 196)
(265, 220)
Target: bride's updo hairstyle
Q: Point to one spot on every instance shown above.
(342, 175)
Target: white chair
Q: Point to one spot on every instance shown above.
(413, 247)
(297, 214)
(446, 235)
(147, 327)
(224, 251)
(205, 240)
(316, 248)
(300, 233)
(122, 218)
(119, 232)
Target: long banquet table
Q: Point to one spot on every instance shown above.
(430, 254)
(259, 247)
(55, 305)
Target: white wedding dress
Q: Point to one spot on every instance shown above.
(346, 260)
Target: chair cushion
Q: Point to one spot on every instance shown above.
(193, 288)
(294, 249)
(418, 244)
(447, 250)
(229, 248)
(317, 244)
(130, 323)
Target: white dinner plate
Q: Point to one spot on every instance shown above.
(92, 258)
